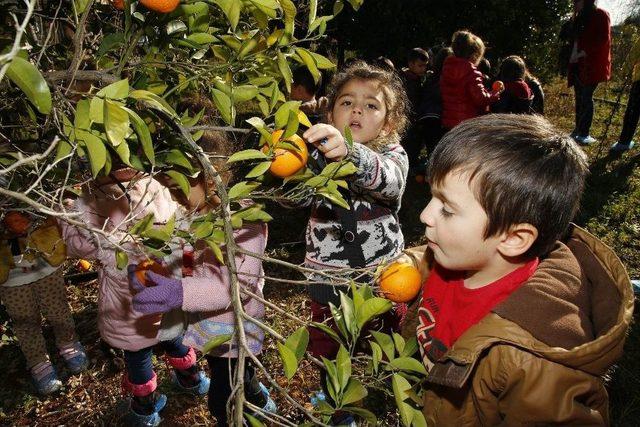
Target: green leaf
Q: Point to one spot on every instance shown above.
(322, 62)
(144, 136)
(181, 180)
(259, 169)
(244, 93)
(400, 387)
(63, 149)
(309, 62)
(398, 341)
(343, 368)
(80, 6)
(348, 137)
(96, 110)
(26, 76)
(282, 114)
(157, 235)
(118, 90)
(217, 252)
(285, 70)
(124, 153)
(371, 308)
(176, 26)
(418, 419)
(292, 125)
(177, 157)
(247, 47)
(346, 305)
(153, 100)
(242, 189)
(170, 226)
(224, 105)
(407, 364)
(289, 360)
(376, 355)
(110, 42)
(289, 10)
(96, 150)
(368, 416)
(313, 10)
(203, 230)
(253, 421)
(260, 126)
(298, 342)
(339, 170)
(410, 347)
(327, 330)
(334, 197)
(201, 38)
(339, 320)
(333, 383)
(268, 7)
(82, 120)
(143, 225)
(116, 123)
(354, 392)
(386, 343)
(215, 342)
(250, 154)
(122, 259)
(231, 9)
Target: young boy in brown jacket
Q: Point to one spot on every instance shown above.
(521, 314)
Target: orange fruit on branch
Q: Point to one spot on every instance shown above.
(118, 4)
(161, 6)
(149, 264)
(287, 161)
(400, 282)
(16, 222)
(84, 265)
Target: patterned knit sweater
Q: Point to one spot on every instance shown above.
(376, 193)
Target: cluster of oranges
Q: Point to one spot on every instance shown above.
(160, 6)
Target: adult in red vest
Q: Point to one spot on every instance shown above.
(461, 84)
(590, 62)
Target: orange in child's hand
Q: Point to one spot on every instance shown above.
(161, 6)
(400, 282)
(84, 265)
(497, 86)
(149, 264)
(287, 161)
(17, 222)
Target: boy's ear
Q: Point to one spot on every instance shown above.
(518, 240)
(330, 117)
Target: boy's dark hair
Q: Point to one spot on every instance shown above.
(438, 59)
(484, 66)
(512, 68)
(395, 96)
(467, 45)
(521, 169)
(418, 54)
(303, 77)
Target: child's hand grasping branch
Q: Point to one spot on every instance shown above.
(328, 140)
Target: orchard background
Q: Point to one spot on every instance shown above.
(84, 85)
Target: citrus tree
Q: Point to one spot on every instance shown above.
(90, 86)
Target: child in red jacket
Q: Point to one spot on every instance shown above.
(463, 93)
(517, 96)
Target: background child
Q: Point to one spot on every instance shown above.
(413, 77)
(537, 103)
(33, 285)
(305, 89)
(516, 97)
(372, 102)
(463, 93)
(116, 202)
(515, 327)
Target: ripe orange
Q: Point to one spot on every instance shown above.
(400, 282)
(118, 4)
(84, 265)
(161, 6)
(149, 264)
(17, 222)
(287, 161)
(497, 86)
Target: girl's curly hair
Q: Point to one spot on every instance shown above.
(395, 97)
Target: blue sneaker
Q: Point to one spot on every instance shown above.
(45, 378)
(133, 419)
(619, 147)
(75, 357)
(584, 140)
(269, 407)
(200, 389)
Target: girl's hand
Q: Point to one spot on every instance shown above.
(163, 295)
(328, 140)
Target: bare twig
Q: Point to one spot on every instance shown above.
(20, 29)
(31, 159)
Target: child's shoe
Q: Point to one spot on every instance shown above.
(270, 406)
(45, 378)
(619, 147)
(145, 411)
(200, 386)
(75, 357)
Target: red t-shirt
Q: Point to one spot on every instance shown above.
(448, 309)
